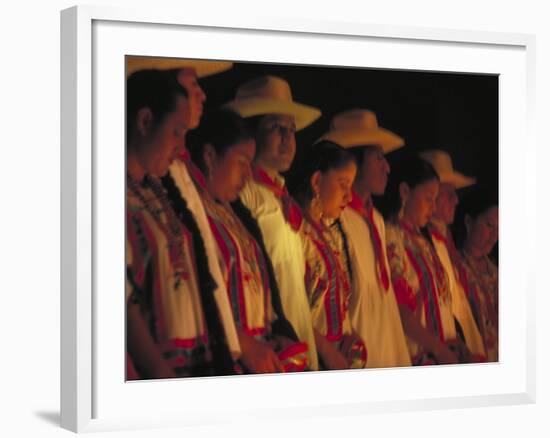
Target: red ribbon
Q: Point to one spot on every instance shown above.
(368, 214)
(184, 155)
(291, 210)
(194, 171)
(455, 257)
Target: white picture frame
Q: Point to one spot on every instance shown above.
(93, 395)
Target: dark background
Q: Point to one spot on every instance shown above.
(455, 112)
(450, 111)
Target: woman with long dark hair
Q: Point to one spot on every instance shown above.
(173, 326)
(477, 232)
(361, 234)
(323, 193)
(419, 280)
(223, 149)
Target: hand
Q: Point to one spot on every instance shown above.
(259, 357)
(331, 357)
(334, 360)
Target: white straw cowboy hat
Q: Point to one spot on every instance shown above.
(271, 95)
(441, 161)
(202, 68)
(359, 127)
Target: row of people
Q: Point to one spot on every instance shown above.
(228, 272)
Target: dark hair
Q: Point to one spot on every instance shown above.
(322, 156)
(153, 89)
(478, 200)
(410, 169)
(222, 360)
(359, 153)
(253, 123)
(281, 326)
(221, 128)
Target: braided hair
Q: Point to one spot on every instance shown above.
(223, 362)
(338, 224)
(281, 326)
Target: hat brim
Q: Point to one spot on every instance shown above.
(303, 115)
(350, 138)
(202, 68)
(457, 179)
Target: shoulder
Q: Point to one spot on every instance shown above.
(353, 223)
(394, 233)
(306, 231)
(178, 171)
(251, 195)
(395, 241)
(261, 201)
(349, 215)
(379, 219)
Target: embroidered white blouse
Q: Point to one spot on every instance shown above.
(186, 186)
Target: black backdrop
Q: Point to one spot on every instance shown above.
(457, 112)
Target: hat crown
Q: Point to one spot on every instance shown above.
(443, 165)
(202, 68)
(271, 95)
(359, 127)
(440, 160)
(265, 87)
(355, 119)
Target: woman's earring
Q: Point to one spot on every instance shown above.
(208, 170)
(401, 211)
(209, 158)
(316, 210)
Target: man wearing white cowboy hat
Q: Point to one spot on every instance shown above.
(373, 306)
(268, 100)
(443, 217)
(179, 178)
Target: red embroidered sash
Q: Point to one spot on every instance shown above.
(368, 215)
(427, 282)
(336, 289)
(195, 173)
(291, 210)
(454, 256)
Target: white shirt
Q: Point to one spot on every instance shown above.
(374, 313)
(460, 306)
(188, 191)
(285, 251)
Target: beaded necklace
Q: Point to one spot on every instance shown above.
(168, 223)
